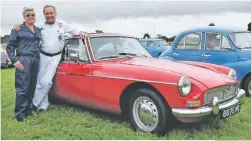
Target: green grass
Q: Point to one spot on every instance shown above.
(70, 122)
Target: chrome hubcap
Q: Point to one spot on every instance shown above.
(145, 113)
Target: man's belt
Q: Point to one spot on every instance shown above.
(49, 54)
(28, 55)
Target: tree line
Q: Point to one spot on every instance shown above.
(5, 39)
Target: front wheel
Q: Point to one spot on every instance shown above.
(247, 86)
(148, 112)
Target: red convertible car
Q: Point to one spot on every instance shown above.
(114, 73)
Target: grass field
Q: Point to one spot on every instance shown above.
(70, 122)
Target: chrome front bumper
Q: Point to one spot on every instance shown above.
(208, 110)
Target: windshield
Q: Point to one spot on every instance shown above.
(241, 39)
(114, 47)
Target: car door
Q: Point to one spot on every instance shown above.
(189, 47)
(218, 50)
(73, 77)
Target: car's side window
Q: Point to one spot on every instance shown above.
(190, 41)
(150, 43)
(181, 44)
(193, 41)
(225, 45)
(73, 46)
(213, 41)
(216, 41)
(160, 43)
(83, 56)
(143, 43)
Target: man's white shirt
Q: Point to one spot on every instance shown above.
(53, 35)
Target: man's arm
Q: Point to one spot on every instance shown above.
(11, 46)
(17, 27)
(70, 29)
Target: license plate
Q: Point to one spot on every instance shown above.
(227, 112)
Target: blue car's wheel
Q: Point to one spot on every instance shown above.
(248, 86)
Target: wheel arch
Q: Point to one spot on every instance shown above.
(244, 79)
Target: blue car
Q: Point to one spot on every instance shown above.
(222, 46)
(154, 46)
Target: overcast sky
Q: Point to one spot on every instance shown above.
(134, 17)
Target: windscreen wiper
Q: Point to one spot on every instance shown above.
(132, 54)
(108, 57)
(125, 53)
(143, 55)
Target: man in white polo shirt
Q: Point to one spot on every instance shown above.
(51, 47)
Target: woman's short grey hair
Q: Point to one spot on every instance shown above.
(48, 5)
(26, 9)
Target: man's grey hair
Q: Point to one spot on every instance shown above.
(26, 9)
(49, 5)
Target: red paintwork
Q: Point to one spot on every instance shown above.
(213, 67)
(100, 84)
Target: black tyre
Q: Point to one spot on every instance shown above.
(159, 54)
(148, 112)
(247, 86)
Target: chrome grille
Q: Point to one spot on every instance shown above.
(223, 93)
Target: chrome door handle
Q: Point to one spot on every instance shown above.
(176, 53)
(59, 67)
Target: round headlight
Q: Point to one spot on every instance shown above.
(184, 86)
(232, 73)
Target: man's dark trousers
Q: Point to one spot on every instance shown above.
(25, 84)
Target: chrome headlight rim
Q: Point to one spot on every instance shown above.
(232, 73)
(184, 86)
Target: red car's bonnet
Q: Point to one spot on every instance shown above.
(208, 77)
